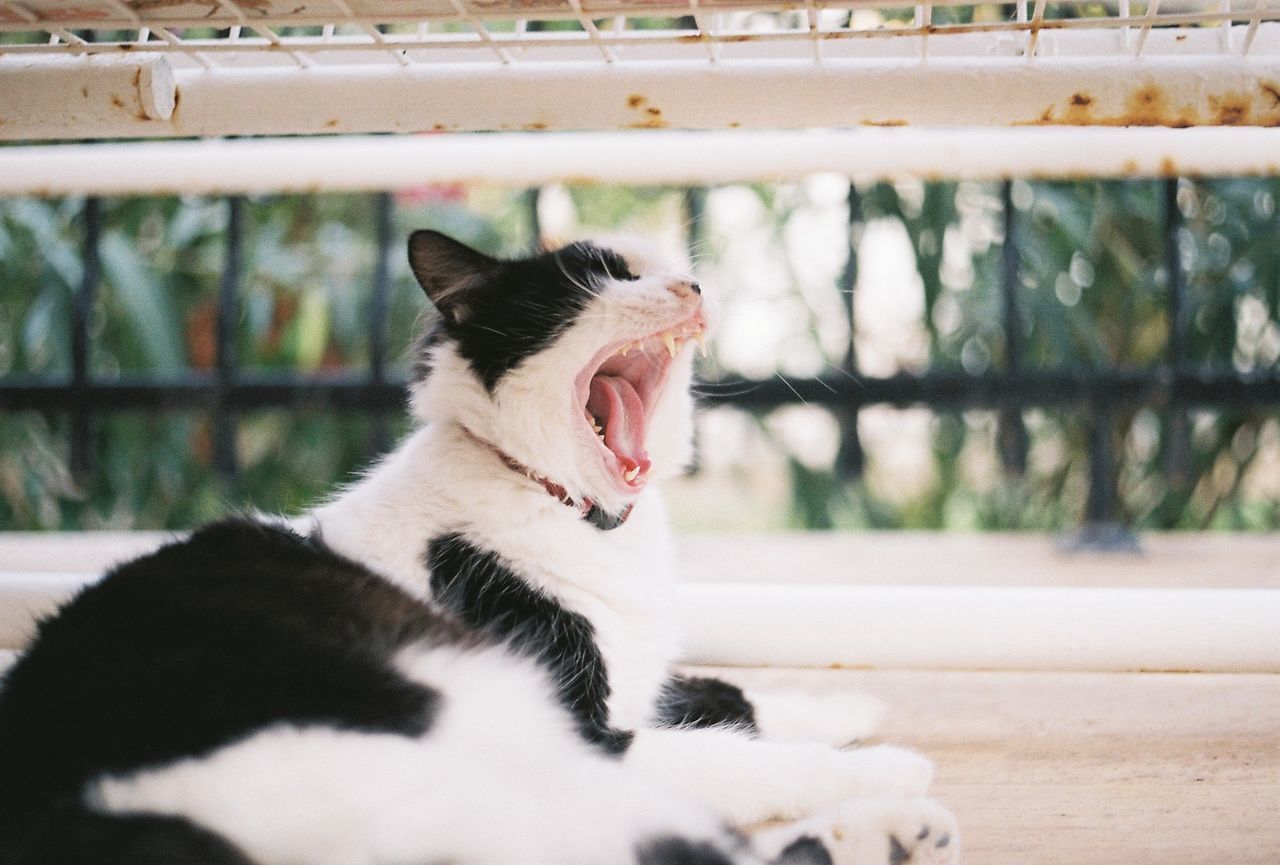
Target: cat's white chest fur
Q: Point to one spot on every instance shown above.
(621, 581)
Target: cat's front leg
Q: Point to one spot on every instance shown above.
(866, 832)
(749, 781)
(838, 718)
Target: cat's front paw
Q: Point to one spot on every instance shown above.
(869, 832)
(888, 770)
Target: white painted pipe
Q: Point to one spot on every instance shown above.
(99, 92)
(915, 627)
(647, 157)
(982, 628)
(684, 94)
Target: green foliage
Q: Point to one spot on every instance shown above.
(1093, 296)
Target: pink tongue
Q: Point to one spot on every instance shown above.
(615, 403)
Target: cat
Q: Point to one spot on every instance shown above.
(467, 656)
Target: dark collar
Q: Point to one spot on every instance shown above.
(587, 509)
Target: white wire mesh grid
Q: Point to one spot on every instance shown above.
(305, 32)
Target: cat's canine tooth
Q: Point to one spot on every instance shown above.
(670, 342)
(622, 352)
(631, 474)
(701, 339)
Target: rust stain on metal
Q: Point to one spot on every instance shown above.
(1231, 109)
(331, 123)
(735, 125)
(884, 123)
(651, 115)
(1129, 167)
(1271, 89)
(137, 77)
(117, 101)
(1168, 167)
(1146, 106)
(84, 91)
(535, 127)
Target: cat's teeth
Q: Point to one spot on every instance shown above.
(701, 339)
(631, 474)
(622, 352)
(670, 342)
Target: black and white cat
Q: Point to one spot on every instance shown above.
(466, 657)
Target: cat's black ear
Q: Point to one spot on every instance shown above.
(447, 271)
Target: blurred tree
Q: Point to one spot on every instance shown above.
(1093, 295)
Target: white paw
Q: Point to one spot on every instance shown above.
(887, 770)
(870, 832)
(832, 719)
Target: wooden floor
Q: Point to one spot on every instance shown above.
(1088, 769)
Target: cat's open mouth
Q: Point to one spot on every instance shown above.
(618, 390)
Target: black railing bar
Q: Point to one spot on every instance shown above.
(948, 391)
(997, 390)
(1100, 504)
(1102, 529)
(530, 201)
(225, 358)
(81, 444)
(1177, 454)
(380, 296)
(379, 306)
(1013, 441)
(850, 457)
(1179, 321)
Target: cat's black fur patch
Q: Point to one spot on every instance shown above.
(487, 595)
(517, 308)
(75, 837)
(701, 702)
(805, 850)
(201, 643)
(678, 851)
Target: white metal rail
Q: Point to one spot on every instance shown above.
(648, 157)
(149, 68)
(210, 32)
(976, 620)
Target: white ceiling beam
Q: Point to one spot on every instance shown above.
(356, 163)
(761, 94)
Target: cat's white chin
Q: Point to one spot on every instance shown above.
(618, 390)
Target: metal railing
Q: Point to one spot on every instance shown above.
(228, 390)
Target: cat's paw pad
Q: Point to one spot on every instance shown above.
(922, 833)
(869, 832)
(887, 770)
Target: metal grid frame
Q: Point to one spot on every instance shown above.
(237, 33)
(1173, 387)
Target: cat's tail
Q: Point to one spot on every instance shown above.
(75, 836)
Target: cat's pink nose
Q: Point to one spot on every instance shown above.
(685, 289)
